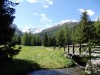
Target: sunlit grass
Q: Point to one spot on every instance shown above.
(33, 58)
(44, 56)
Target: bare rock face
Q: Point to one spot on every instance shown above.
(93, 67)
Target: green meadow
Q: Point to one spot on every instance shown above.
(33, 58)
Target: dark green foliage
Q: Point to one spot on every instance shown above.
(50, 41)
(6, 19)
(53, 30)
(53, 41)
(60, 38)
(38, 41)
(29, 39)
(7, 45)
(24, 39)
(97, 26)
(8, 51)
(45, 40)
(85, 31)
(33, 41)
(17, 39)
(67, 36)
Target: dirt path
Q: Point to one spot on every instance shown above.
(67, 71)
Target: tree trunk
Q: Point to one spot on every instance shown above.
(80, 48)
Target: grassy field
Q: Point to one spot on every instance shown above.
(36, 57)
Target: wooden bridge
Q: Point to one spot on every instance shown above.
(80, 50)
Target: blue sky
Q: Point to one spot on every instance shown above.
(46, 13)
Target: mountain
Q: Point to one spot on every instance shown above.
(53, 30)
(31, 30)
(17, 31)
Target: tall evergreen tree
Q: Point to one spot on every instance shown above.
(38, 41)
(45, 40)
(6, 30)
(24, 39)
(29, 39)
(17, 39)
(53, 41)
(33, 41)
(49, 41)
(67, 35)
(85, 31)
(60, 38)
(97, 26)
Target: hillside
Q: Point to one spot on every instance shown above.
(52, 31)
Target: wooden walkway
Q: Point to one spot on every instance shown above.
(81, 50)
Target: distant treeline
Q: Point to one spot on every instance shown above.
(86, 31)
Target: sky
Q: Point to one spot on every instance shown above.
(43, 14)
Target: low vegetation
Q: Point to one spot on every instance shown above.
(35, 57)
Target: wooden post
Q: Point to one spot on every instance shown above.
(80, 48)
(73, 48)
(64, 49)
(68, 48)
(90, 59)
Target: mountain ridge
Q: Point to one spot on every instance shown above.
(54, 29)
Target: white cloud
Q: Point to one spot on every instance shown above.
(90, 12)
(45, 6)
(44, 18)
(45, 3)
(50, 2)
(36, 14)
(32, 1)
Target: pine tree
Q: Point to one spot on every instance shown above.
(33, 41)
(24, 39)
(85, 31)
(17, 39)
(60, 38)
(29, 39)
(67, 36)
(53, 41)
(49, 41)
(97, 26)
(7, 45)
(45, 40)
(38, 41)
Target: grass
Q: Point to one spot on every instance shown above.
(33, 58)
(46, 57)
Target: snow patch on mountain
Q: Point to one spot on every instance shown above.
(32, 30)
(65, 22)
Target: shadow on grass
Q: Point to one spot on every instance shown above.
(18, 67)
